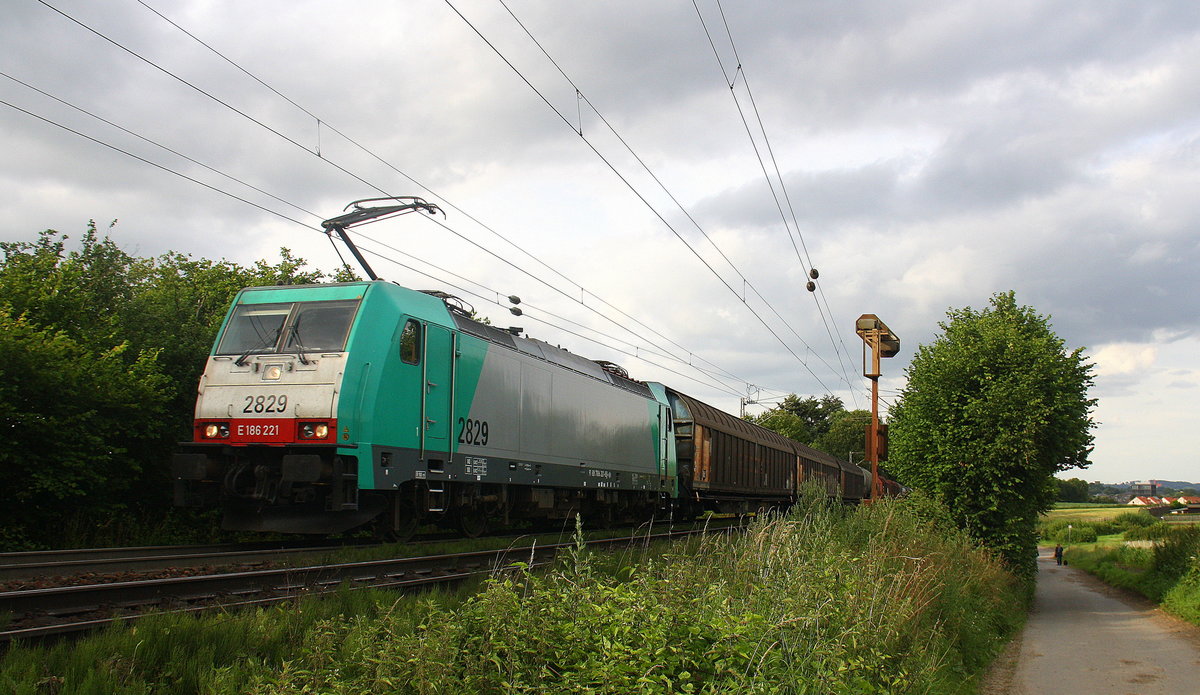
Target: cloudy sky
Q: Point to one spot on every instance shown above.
(594, 160)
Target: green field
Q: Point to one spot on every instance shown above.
(1074, 511)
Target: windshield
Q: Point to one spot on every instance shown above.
(288, 327)
(320, 326)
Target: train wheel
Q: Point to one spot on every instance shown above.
(472, 522)
(398, 522)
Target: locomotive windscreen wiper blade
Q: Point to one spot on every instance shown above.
(261, 347)
(294, 329)
(241, 361)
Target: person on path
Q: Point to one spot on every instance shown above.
(1058, 553)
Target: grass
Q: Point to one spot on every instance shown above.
(1090, 512)
(887, 598)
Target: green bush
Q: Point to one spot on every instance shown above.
(1130, 520)
(1048, 530)
(1083, 533)
(1123, 566)
(1175, 554)
(1183, 599)
(1154, 532)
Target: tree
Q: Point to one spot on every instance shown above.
(804, 419)
(1073, 490)
(75, 423)
(815, 413)
(847, 433)
(782, 422)
(994, 407)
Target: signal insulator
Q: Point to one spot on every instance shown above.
(812, 273)
(812, 286)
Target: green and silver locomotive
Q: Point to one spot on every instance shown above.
(325, 407)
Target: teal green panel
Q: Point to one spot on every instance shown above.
(302, 293)
(471, 355)
(664, 446)
(439, 378)
(380, 401)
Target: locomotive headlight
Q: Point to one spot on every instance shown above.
(314, 430)
(214, 430)
(272, 372)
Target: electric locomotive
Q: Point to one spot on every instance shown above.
(324, 407)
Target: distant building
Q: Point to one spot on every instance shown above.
(1146, 489)
(1146, 501)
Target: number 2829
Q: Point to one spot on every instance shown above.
(266, 404)
(473, 432)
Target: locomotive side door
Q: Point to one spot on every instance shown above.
(438, 398)
(666, 436)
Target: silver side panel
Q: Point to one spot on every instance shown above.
(540, 412)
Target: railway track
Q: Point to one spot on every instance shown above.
(38, 564)
(40, 613)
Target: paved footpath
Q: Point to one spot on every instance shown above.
(1082, 637)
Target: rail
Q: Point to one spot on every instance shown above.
(39, 613)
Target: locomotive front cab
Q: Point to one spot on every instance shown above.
(266, 431)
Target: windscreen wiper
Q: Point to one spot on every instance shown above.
(241, 361)
(295, 331)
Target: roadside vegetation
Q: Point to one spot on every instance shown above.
(1133, 550)
(886, 598)
(1075, 525)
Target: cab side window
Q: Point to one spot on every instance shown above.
(410, 342)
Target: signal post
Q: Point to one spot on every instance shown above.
(883, 343)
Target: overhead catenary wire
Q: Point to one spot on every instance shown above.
(492, 293)
(320, 122)
(635, 354)
(531, 317)
(158, 166)
(638, 349)
(175, 152)
(629, 185)
(155, 143)
(581, 97)
(826, 313)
